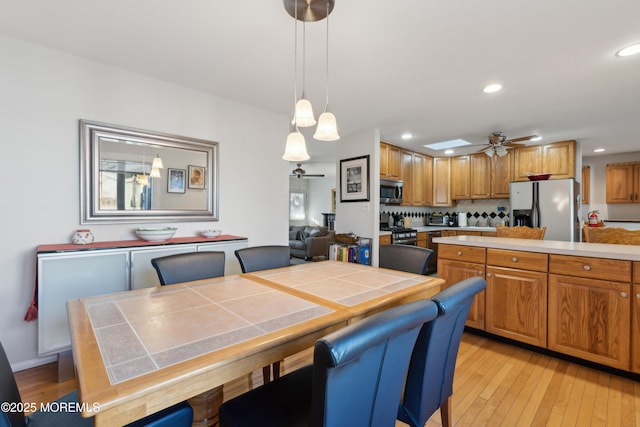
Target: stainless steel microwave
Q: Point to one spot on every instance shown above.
(391, 191)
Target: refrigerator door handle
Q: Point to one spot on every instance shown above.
(535, 207)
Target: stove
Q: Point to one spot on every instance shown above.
(402, 235)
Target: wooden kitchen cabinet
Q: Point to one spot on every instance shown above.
(480, 176)
(589, 314)
(422, 188)
(501, 175)
(456, 263)
(623, 183)
(557, 158)
(422, 239)
(442, 181)
(385, 239)
(406, 175)
(389, 161)
(586, 184)
(460, 178)
(635, 319)
(516, 296)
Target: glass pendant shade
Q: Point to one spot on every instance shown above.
(157, 164)
(327, 129)
(155, 173)
(304, 113)
(296, 148)
(489, 151)
(501, 151)
(142, 179)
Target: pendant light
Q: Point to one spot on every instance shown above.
(156, 166)
(296, 147)
(327, 129)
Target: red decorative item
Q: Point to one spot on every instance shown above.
(593, 219)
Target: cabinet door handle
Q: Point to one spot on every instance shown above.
(514, 259)
(459, 253)
(638, 296)
(623, 294)
(587, 267)
(489, 275)
(479, 273)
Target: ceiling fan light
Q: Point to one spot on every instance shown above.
(489, 151)
(327, 129)
(296, 148)
(304, 113)
(501, 151)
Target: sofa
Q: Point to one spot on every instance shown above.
(309, 241)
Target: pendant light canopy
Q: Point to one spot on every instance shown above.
(308, 11)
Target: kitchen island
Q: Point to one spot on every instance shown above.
(579, 299)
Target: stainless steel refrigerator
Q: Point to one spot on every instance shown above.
(554, 204)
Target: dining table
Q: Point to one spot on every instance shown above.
(138, 352)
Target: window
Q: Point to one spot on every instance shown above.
(297, 206)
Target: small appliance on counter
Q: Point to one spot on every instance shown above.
(437, 219)
(462, 219)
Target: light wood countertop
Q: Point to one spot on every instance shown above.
(597, 250)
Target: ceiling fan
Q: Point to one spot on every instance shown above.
(498, 144)
(301, 173)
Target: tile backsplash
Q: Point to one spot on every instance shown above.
(486, 212)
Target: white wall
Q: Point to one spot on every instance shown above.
(43, 94)
(597, 196)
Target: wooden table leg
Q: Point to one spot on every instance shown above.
(205, 407)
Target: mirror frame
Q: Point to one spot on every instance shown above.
(90, 212)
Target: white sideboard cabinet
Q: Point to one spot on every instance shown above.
(68, 272)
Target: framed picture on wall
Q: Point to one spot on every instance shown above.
(196, 177)
(354, 179)
(176, 180)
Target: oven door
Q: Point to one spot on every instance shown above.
(404, 239)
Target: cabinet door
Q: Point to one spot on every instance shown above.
(516, 305)
(460, 169)
(143, 275)
(586, 184)
(527, 160)
(635, 330)
(454, 271)
(480, 176)
(559, 159)
(384, 240)
(590, 319)
(389, 161)
(619, 183)
(419, 180)
(407, 177)
(441, 181)
(428, 181)
(636, 183)
(422, 239)
(501, 175)
(71, 276)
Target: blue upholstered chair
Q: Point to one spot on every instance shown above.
(429, 383)
(180, 415)
(258, 258)
(188, 267)
(412, 259)
(356, 378)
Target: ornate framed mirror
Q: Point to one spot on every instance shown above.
(130, 175)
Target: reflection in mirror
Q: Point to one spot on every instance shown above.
(130, 175)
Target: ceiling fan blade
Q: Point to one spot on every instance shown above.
(522, 138)
(512, 145)
(483, 149)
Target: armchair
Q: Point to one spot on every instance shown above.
(309, 241)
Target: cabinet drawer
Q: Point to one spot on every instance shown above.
(636, 272)
(517, 259)
(462, 253)
(594, 268)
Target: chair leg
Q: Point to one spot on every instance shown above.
(445, 413)
(276, 370)
(266, 374)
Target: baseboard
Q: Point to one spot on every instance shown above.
(32, 363)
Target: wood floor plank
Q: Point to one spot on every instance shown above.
(494, 384)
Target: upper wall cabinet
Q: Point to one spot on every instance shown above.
(389, 161)
(501, 175)
(623, 183)
(442, 182)
(473, 176)
(557, 159)
(586, 184)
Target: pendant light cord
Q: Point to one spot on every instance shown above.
(326, 104)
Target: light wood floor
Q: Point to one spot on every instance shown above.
(495, 384)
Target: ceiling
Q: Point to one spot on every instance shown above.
(410, 65)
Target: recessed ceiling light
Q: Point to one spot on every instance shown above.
(495, 87)
(448, 151)
(406, 135)
(629, 50)
(536, 138)
(598, 150)
(447, 144)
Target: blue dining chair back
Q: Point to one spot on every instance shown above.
(189, 266)
(356, 378)
(412, 259)
(429, 383)
(266, 257)
(180, 415)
